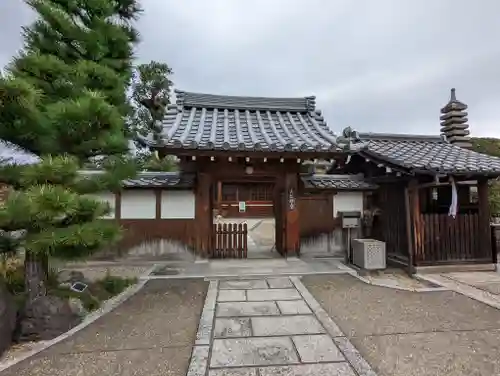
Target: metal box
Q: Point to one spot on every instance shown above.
(351, 219)
(368, 254)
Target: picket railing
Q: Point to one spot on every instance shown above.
(229, 240)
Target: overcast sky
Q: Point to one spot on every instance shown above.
(376, 65)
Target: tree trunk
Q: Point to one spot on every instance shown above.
(35, 276)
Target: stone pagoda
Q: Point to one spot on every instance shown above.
(454, 122)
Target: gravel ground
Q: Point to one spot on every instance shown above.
(150, 334)
(405, 333)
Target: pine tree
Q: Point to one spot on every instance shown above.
(64, 98)
(151, 85)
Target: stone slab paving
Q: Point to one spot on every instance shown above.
(270, 327)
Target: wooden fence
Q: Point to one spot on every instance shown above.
(444, 239)
(229, 240)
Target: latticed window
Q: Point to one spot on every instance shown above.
(247, 192)
(261, 193)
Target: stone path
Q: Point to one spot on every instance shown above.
(270, 326)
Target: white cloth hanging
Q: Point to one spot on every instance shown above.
(454, 199)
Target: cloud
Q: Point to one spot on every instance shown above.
(384, 65)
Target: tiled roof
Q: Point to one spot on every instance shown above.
(218, 122)
(11, 154)
(340, 182)
(160, 180)
(431, 154)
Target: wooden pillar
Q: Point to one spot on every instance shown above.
(118, 205)
(415, 226)
(291, 215)
(485, 246)
(279, 212)
(158, 203)
(409, 192)
(203, 214)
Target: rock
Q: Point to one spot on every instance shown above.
(77, 307)
(46, 318)
(8, 314)
(71, 276)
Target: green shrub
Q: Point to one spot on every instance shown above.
(14, 280)
(115, 285)
(89, 301)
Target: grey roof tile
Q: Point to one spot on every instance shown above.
(338, 182)
(427, 154)
(160, 180)
(218, 122)
(12, 154)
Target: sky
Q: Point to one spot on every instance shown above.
(377, 66)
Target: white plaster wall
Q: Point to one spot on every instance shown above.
(347, 201)
(177, 204)
(110, 199)
(333, 244)
(138, 204)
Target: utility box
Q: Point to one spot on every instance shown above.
(350, 219)
(368, 254)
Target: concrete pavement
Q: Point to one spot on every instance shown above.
(403, 333)
(150, 334)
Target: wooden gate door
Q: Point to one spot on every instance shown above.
(229, 240)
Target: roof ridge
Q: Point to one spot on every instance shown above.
(369, 136)
(295, 104)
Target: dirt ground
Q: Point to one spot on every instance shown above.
(151, 334)
(402, 333)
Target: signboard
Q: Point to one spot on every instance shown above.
(291, 200)
(242, 206)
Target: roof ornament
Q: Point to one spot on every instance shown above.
(350, 141)
(453, 96)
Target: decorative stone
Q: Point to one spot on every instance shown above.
(273, 294)
(236, 309)
(77, 307)
(279, 283)
(293, 307)
(331, 369)
(240, 352)
(233, 327)
(46, 318)
(8, 318)
(286, 325)
(231, 296)
(70, 276)
(244, 284)
(318, 348)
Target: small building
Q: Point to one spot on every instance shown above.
(245, 172)
(246, 159)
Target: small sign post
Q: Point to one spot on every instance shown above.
(242, 206)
